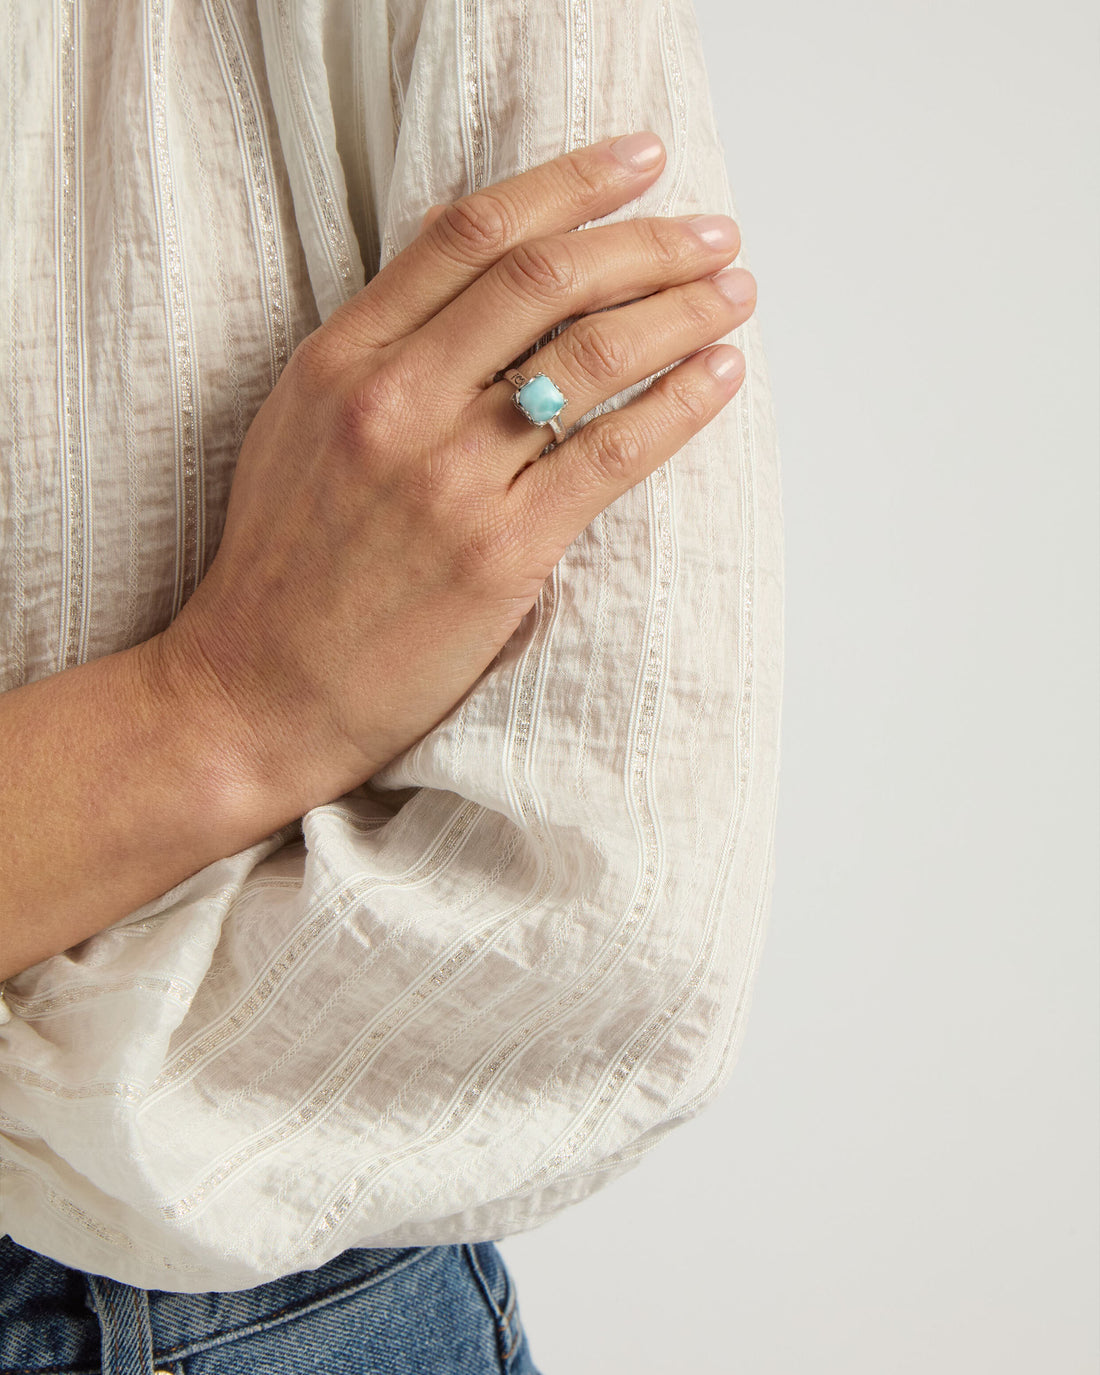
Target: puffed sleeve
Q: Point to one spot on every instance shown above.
(467, 995)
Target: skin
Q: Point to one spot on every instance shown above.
(391, 521)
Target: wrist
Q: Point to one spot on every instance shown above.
(240, 769)
(130, 775)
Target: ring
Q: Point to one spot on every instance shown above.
(539, 400)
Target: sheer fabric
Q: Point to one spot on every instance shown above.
(462, 997)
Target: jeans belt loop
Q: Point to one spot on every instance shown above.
(124, 1325)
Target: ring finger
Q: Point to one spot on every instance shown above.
(600, 355)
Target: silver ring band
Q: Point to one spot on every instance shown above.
(539, 399)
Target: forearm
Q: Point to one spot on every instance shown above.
(116, 783)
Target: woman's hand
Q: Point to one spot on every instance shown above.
(391, 519)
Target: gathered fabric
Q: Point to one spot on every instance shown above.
(469, 993)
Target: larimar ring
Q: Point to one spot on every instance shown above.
(538, 399)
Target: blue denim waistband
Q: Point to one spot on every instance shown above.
(54, 1319)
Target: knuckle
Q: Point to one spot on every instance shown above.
(584, 178)
(595, 353)
(704, 311)
(372, 408)
(616, 451)
(542, 268)
(661, 241)
(476, 228)
(686, 403)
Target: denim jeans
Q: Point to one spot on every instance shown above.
(420, 1310)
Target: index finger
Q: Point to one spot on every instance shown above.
(471, 234)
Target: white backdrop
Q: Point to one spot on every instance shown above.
(901, 1177)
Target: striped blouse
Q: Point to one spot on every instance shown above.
(459, 999)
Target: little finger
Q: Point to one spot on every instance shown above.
(558, 496)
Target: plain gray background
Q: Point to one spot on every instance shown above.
(901, 1175)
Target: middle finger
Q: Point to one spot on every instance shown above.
(541, 282)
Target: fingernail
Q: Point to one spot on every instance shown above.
(638, 151)
(726, 361)
(716, 231)
(736, 284)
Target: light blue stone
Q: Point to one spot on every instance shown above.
(540, 399)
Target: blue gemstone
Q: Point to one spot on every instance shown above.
(540, 399)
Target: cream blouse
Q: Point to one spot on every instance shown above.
(455, 1001)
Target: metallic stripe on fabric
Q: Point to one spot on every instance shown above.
(579, 68)
(256, 167)
(69, 168)
(16, 672)
(471, 85)
(136, 477)
(113, 1238)
(190, 512)
(333, 218)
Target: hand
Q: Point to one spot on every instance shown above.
(391, 519)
